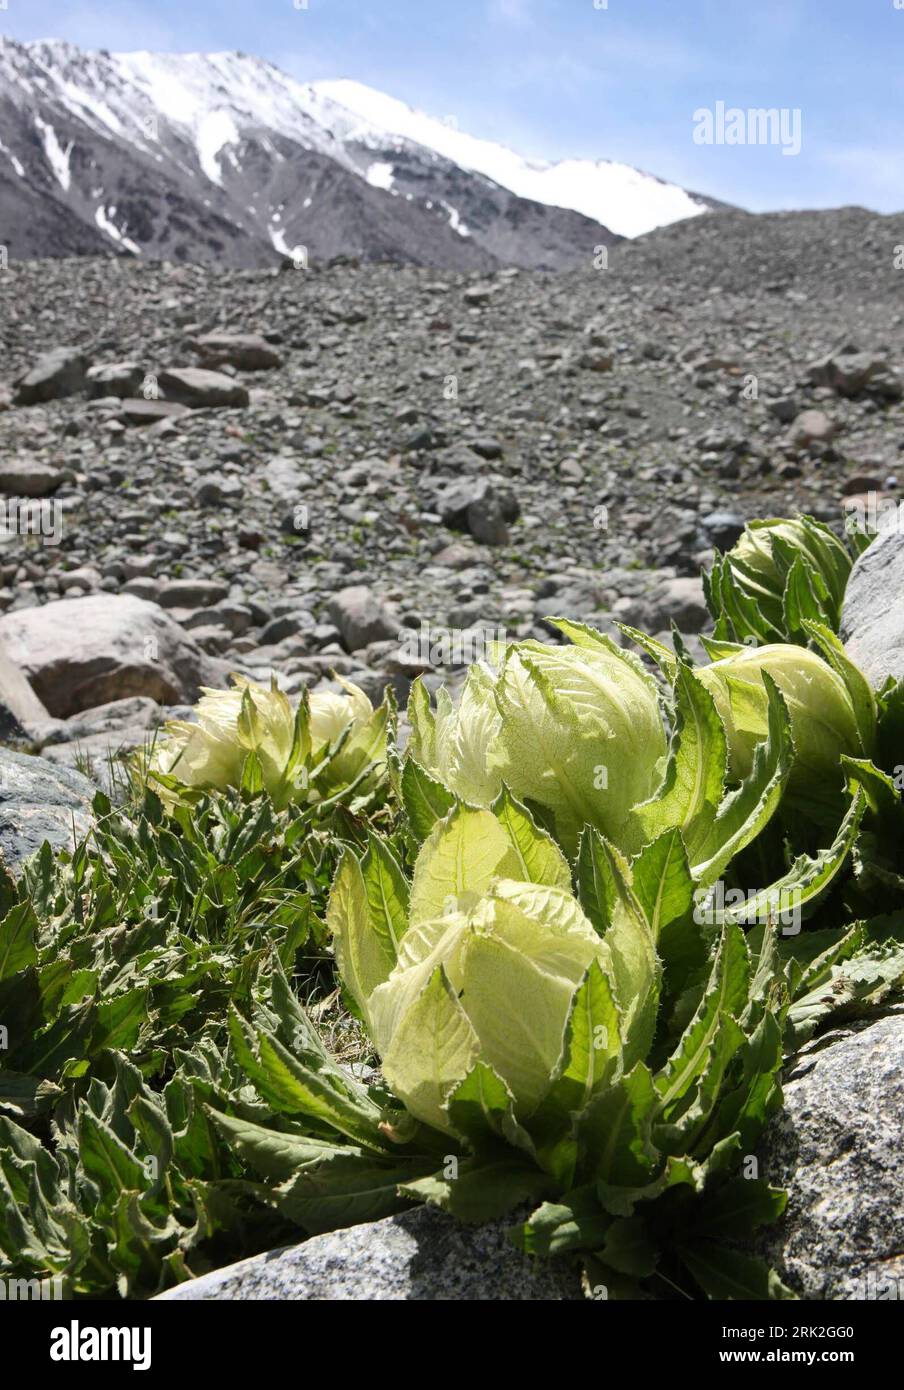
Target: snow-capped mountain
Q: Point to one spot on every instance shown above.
(223, 156)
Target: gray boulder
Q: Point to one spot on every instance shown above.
(420, 1255)
(216, 488)
(872, 620)
(813, 427)
(82, 652)
(723, 528)
(836, 1147)
(287, 480)
(482, 506)
(115, 379)
(197, 387)
(60, 372)
(681, 601)
(249, 351)
(24, 477)
(192, 593)
(39, 802)
(851, 373)
(98, 741)
(361, 617)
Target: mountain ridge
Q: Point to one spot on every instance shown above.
(225, 157)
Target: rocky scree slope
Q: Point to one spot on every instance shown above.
(374, 448)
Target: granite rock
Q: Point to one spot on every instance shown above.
(39, 802)
(836, 1147)
(420, 1255)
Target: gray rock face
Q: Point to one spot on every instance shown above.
(39, 802)
(872, 620)
(837, 1147)
(361, 617)
(83, 652)
(197, 387)
(60, 372)
(419, 1255)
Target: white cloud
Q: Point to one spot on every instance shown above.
(509, 11)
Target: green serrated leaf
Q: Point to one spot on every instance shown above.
(695, 775)
(426, 801)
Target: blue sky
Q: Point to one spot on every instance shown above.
(557, 78)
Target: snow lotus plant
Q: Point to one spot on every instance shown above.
(487, 962)
(526, 1054)
(593, 1028)
(831, 709)
(251, 737)
(574, 730)
(779, 574)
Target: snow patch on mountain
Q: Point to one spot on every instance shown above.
(380, 175)
(16, 163)
(104, 219)
(214, 131)
(57, 157)
(624, 199)
(455, 221)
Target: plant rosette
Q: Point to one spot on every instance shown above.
(332, 747)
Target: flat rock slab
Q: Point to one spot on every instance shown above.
(421, 1255)
(872, 620)
(138, 411)
(40, 802)
(196, 387)
(837, 1147)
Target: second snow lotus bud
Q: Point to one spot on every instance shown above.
(576, 730)
(824, 721)
(251, 736)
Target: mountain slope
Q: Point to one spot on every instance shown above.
(224, 157)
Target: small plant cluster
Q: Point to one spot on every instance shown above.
(543, 956)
